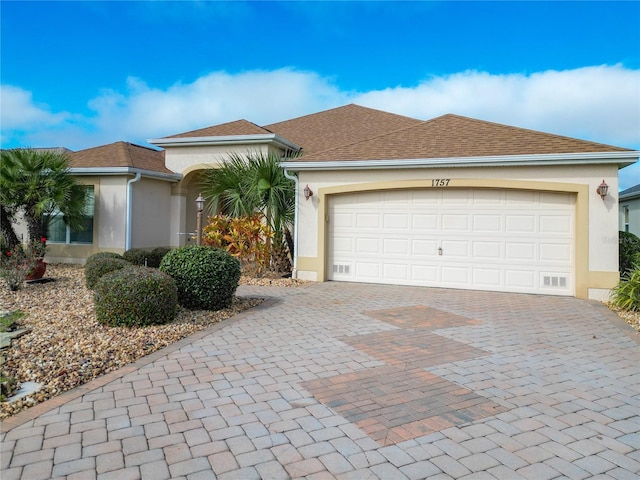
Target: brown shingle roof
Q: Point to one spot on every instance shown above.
(239, 127)
(339, 126)
(456, 136)
(120, 154)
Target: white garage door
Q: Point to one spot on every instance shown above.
(483, 239)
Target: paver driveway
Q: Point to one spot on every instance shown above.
(355, 381)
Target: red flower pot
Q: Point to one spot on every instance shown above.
(38, 271)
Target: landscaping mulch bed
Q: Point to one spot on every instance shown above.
(67, 347)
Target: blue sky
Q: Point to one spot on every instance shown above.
(81, 74)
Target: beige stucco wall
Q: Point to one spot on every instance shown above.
(151, 214)
(183, 159)
(597, 220)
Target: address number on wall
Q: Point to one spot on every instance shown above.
(440, 182)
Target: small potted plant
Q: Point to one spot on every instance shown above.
(37, 251)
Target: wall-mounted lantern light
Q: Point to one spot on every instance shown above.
(200, 208)
(602, 189)
(308, 193)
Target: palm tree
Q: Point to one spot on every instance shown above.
(243, 185)
(38, 183)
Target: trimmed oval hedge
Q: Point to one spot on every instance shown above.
(136, 296)
(206, 277)
(97, 267)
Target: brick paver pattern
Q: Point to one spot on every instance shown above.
(354, 381)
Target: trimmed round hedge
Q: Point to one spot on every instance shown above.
(146, 258)
(99, 255)
(97, 267)
(136, 296)
(206, 277)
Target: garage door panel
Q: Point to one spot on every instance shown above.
(395, 221)
(395, 246)
(455, 222)
(487, 277)
(424, 247)
(367, 270)
(555, 224)
(368, 220)
(426, 222)
(520, 197)
(343, 244)
(368, 245)
(488, 197)
(520, 279)
(520, 223)
(455, 248)
(487, 250)
(520, 251)
(520, 241)
(554, 252)
(342, 220)
(455, 275)
(396, 271)
(487, 223)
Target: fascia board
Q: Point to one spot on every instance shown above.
(225, 140)
(111, 171)
(622, 159)
(629, 196)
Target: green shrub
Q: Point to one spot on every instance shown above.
(136, 296)
(98, 267)
(99, 255)
(206, 277)
(157, 254)
(629, 246)
(137, 256)
(626, 294)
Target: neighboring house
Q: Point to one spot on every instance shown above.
(629, 205)
(450, 202)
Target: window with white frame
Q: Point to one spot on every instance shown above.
(625, 211)
(61, 233)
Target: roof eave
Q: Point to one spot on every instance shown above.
(111, 171)
(622, 159)
(226, 140)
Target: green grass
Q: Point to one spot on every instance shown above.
(8, 322)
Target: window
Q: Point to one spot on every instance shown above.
(625, 209)
(60, 233)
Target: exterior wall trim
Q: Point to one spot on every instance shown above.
(585, 278)
(619, 158)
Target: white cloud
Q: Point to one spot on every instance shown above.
(19, 113)
(598, 103)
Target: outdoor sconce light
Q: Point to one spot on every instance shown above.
(307, 192)
(200, 207)
(602, 190)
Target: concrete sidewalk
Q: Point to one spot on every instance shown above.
(354, 381)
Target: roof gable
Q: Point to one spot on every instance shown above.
(339, 126)
(630, 192)
(238, 127)
(456, 136)
(120, 154)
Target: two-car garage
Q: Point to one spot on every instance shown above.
(484, 239)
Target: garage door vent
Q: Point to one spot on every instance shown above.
(341, 269)
(550, 281)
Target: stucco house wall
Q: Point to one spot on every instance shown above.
(151, 210)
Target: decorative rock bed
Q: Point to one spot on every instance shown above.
(66, 347)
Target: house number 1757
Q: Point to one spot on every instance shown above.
(440, 182)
